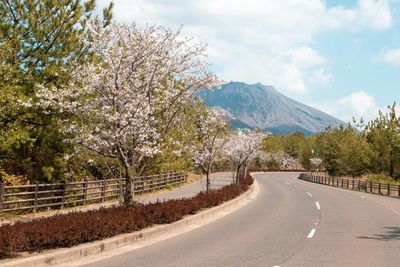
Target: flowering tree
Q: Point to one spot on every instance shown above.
(125, 102)
(208, 134)
(241, 146)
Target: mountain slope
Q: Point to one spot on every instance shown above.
(263, 107)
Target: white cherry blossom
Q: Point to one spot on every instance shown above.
(124, 103)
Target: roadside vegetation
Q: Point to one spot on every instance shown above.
(368, 150)
(80, 227)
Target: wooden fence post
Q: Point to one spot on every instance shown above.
(398, 190)
(1, 196)
(63, 185)
(379, 188)
(119, 189)
(122, 188)
(370, 187)
(103, 190)
(35, 202)
(85, 192)
(388, 189)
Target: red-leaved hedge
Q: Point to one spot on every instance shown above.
(66, 230)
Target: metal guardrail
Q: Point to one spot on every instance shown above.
(60, 195)
(353, 184)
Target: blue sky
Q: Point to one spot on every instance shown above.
(340, 56)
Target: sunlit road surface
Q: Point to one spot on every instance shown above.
(291, 223)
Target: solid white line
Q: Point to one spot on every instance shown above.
(317, 204)
(309, 194)
(311, 234)
(392, 210)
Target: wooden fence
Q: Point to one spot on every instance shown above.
(391, 190)
(60, 195)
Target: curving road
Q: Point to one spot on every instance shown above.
(291, 223)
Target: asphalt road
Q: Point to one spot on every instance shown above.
(291, 223)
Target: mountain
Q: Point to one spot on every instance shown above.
(261, 106)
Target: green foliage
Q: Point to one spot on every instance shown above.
(383, 134)
(363, 149)
(381, 178)
(344, 151)
(295, 144)
(40, 44)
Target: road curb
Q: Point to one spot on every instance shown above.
(58, 256)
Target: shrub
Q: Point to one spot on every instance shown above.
(66, 230)
(380, 178)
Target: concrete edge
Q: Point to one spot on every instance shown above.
(58, 256)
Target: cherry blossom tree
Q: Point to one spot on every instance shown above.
(241, 146)
(123, 104)
(208, 132)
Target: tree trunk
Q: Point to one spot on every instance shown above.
(129, 183)
(207, 181)
(237, 174)
(130, 188)
(245, 171)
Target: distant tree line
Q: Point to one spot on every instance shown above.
(356, 149)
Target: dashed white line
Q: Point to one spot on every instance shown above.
(309, 194)
(311, 234)
(318, 205)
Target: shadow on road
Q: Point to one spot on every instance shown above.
(391, 233)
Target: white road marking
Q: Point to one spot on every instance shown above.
(311, 234)
(392, 210)
(317, 204)
(309, 194)
(287, 183)
(383, 206)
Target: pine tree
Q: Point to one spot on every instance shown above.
(40, 43)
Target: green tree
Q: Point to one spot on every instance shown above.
(344, 151)
(40, 43)
(383, 134)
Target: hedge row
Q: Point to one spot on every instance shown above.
(66, 230)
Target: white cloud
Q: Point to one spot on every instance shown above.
(321, 77)
(389, 56)
(356, 105)
(370, 14)
(261, 41)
